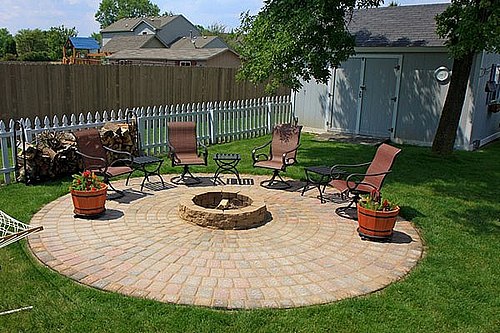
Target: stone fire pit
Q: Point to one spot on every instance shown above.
(223, 210)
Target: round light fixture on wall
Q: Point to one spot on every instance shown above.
(442, 75)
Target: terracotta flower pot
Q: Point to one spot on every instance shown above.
(376, 224)
(89, 203)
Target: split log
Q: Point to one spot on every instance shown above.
(53, 154)
(119, 136)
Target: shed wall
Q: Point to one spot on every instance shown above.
(486, 125)
(311, 104)
(421, 97)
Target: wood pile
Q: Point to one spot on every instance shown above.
(53, 154)
(119, 137)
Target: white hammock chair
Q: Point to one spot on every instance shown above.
(12, 230)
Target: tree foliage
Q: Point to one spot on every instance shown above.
(469, 26)
(56, 37)
(31, 45)
(7, 44)
(40, 45)
(110, 11)
(98, 37)
(292, 39)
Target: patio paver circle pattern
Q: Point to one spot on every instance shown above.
(305, 255)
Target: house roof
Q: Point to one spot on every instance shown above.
(119, 43)
(397, 26)
(199, 42)
(84, 43)
(128, 24)
(168, 54)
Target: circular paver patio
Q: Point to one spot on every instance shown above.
(304, 255)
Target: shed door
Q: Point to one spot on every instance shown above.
(364, 96)
(378, 93)
(345, 102)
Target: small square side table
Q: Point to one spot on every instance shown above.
(226, 163)
(146, 164)
(317, 176)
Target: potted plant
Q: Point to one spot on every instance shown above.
(88, 193)
(376, 217)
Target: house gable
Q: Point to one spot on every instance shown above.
(177, 28)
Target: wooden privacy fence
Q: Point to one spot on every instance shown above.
(33, 89)
(217, 123)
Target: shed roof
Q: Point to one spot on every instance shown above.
(168, 54)
(397, 26)
(84, 43)
(119, 43)
(128, 24)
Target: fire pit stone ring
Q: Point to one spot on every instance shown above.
(223, 210)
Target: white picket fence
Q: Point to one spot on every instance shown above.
(217, 122)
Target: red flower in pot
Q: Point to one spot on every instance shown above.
(88, 193)
(376, 217)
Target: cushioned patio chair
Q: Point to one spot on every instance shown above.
(353, 185)
(185, 150)
(282, 153)
(95, 158)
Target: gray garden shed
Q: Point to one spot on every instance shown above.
(396, 84)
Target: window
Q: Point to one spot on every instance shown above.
(185, 63)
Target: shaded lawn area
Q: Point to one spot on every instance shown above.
(454, 202)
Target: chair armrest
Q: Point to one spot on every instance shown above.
(350, 179)
(171, 154)
(337, 170)
(257, 157)
(104, 162)
(290, 160)
(128, 160)
(204, 151)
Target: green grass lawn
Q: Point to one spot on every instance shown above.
(454, 202)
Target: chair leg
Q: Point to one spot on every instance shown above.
(349, 212)
(186, 174)
(118, 192)
(282, 184)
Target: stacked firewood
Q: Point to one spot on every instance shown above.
(54, 154)
(120, 137)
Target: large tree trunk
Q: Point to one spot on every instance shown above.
(446, 132)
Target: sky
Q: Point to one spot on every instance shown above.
(43, 14)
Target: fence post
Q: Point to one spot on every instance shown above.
(212, 124)
(5, 151)
(269, 106)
